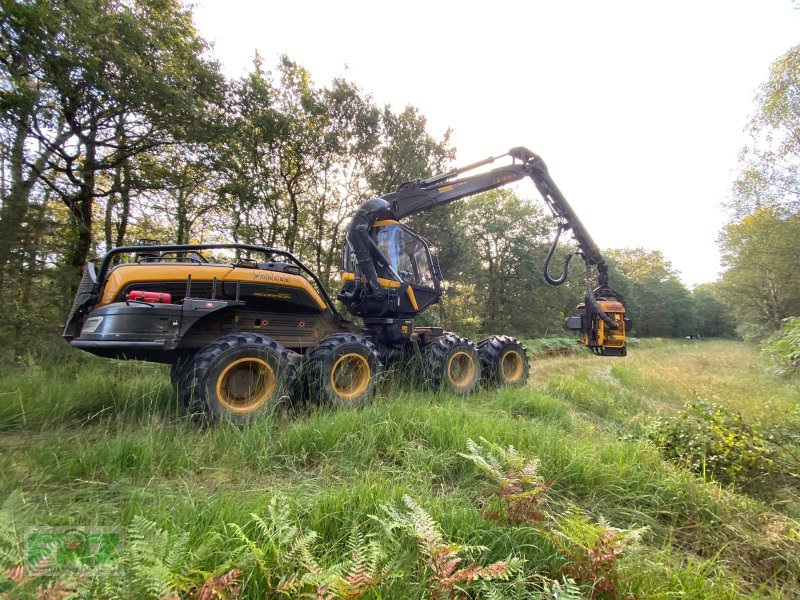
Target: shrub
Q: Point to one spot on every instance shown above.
(712, 441)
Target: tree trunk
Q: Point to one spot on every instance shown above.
(15, 204)
(80, 206)
(125, 198)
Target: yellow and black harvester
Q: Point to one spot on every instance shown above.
(239, 332)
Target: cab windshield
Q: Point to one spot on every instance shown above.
(406, 252)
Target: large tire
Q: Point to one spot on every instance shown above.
(452, 364)
(503, 360)
(345, 369)
(237, 378)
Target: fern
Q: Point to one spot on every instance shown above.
(156, 560)
(286, 557)
(593, 549)
(442, 559)
(567, 589)
(12, 549)
(541, 588)
(519, 490)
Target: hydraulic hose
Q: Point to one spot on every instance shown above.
(593, 301)
(564, 268)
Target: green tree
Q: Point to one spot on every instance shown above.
(770, 164)
(762, 283)
(761, 242)
(713, 317)
(658, 302)
(494, 269)
(114, 79)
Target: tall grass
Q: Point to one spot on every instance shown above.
(103, 443)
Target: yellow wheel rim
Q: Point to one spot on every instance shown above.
(245, 385)
(512, 367)
(461, 370)
(350, 376)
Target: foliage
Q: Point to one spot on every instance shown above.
(769, 164)
(762, 239)
(762, 282)
(441, 558)
(658, 302)
(517, 485)
(783, 348)
(712, 441)
(593, 549)
(713, 316)
(284, 553)
(12, 552)
(552, 346)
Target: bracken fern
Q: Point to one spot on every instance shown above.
(517, 486)
(442, 558)
(285, 555)
(593, 549)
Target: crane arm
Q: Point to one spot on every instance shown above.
(425, 194)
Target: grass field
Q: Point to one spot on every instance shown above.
(103, 443)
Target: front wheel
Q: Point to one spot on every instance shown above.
(452, 364)
(237, 378)
(345, 369)
(503, 360)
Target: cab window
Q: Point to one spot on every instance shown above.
(406, 253)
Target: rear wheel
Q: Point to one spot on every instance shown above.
(503, 360)
(345, 369)
(452, 364)
(237, 378)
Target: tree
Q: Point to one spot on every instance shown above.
(762, 283)
(713, 317)
(113, 80)
(492, 260)
(762, 241)
(658, 302)
(770, 165)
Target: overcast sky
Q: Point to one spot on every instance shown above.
(638, 107)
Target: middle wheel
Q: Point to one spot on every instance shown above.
(345, 369)
(452, 363)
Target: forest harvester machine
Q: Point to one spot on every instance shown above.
(239, 333)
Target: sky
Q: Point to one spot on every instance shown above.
(639, 108)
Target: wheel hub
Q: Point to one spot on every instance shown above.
(460, 369)
(511, 367)
(350, 375)
(245, 385)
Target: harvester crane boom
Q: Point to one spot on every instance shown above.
(422, 195)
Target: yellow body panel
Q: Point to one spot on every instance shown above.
(384, 282)
(390, 283)
(124, 275)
